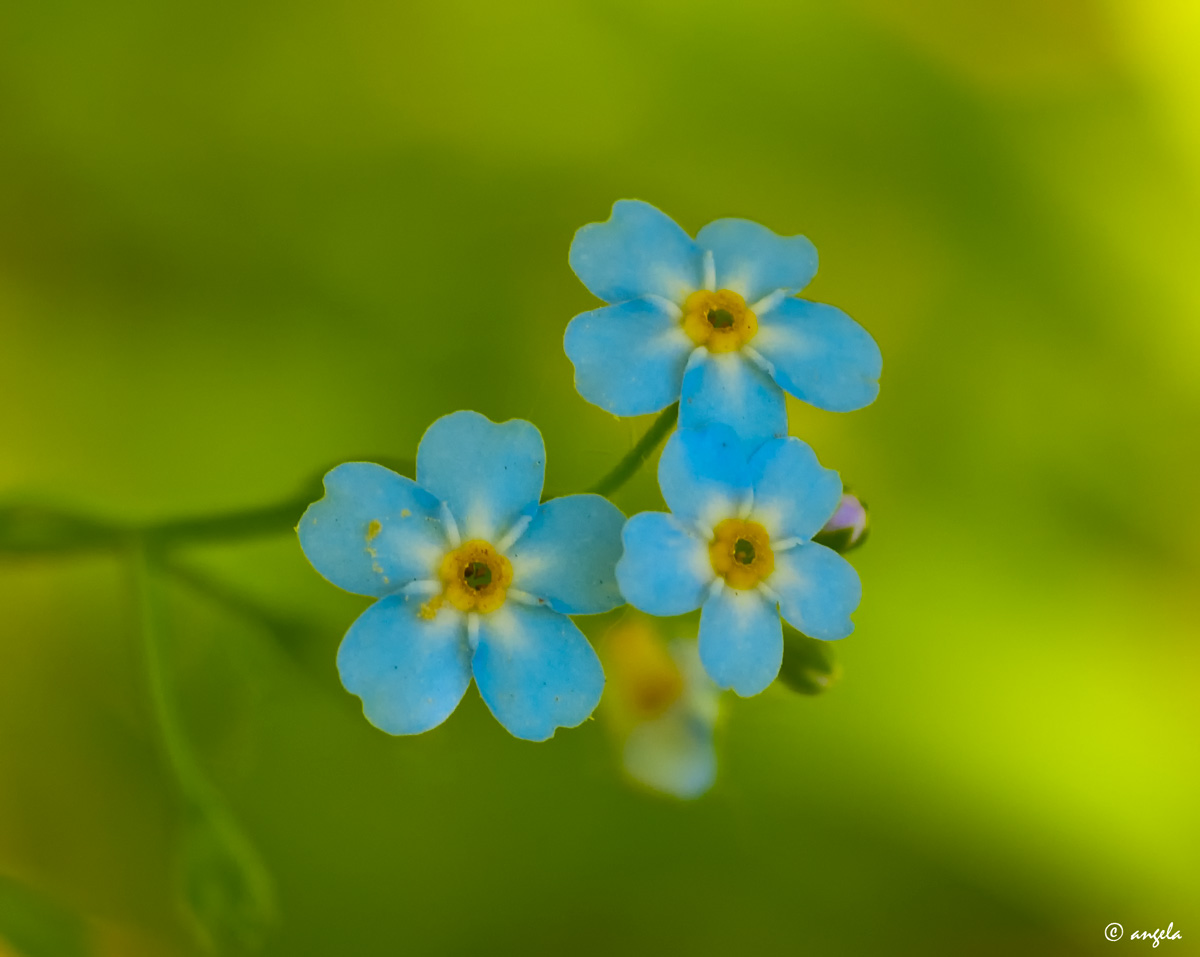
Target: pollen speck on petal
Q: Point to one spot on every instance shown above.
(429, 610)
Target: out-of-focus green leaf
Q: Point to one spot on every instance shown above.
(38, 927)
(809, 666)
(227, 891)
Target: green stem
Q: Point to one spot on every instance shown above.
(34, 529)
(285, 630)
(183, 766)
(624, 470)
(226, 888)
(248, 523)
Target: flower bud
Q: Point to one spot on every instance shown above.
(847, 528)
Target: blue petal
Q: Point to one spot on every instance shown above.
(568, 555)
(731, 390)
(410, 671)
(535, 670)
(488, 475)
(638, 251)
(741, 640)
(373, 531)
(753, 261)
(819, 354)
(817, 589)
(674, 754)
(794, 495)
(704, 476)
(665, 569)
(629, 358)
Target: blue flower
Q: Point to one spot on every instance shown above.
(474, 579)
(662, 706)
(737, 543)
(714, 320)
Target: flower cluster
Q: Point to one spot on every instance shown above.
(476, 578)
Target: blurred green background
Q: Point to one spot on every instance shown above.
(240, 243)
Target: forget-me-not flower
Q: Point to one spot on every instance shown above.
(713, 321)
(474, 578)
(737, 543)
(662, 706)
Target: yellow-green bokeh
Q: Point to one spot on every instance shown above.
(240, 243)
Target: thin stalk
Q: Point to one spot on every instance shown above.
(179, 757)
(249, 523)
(34, 529)
(624, 470)
(285, 630)
(226, 889)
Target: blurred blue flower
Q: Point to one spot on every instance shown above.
(474, 579)
(737, 543)
(713, 320)
(662, 706)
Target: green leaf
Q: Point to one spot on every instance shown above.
(35, 926)
(227, 890)
(809, 665)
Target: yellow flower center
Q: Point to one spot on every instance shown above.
(475, 577)
(720, 321)
(645, 680)
(740, 553)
